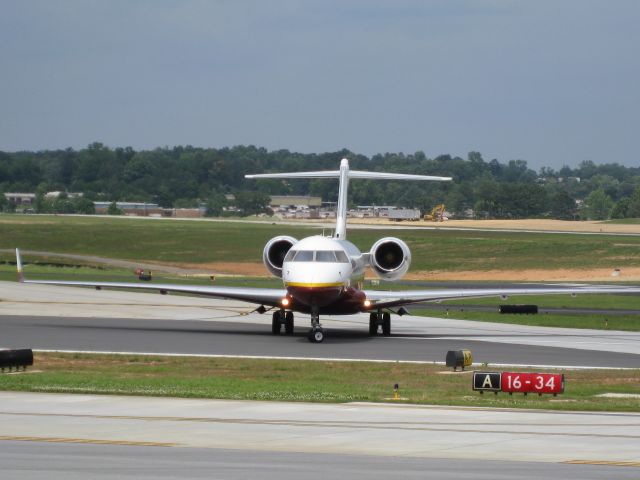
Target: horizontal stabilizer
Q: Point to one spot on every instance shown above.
(351, 174)
(394, 176)
(323, 174)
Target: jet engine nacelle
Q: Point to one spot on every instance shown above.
(390, 258)
(275, 251)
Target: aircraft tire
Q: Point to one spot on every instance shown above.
(288, 323)
(316, 335)
(386, 324)
(373, 324)
(276, 323)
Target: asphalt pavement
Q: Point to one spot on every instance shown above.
(61, 461)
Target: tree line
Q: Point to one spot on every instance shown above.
(185, 176)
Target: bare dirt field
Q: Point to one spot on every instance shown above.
(531, 275)
(532, 224)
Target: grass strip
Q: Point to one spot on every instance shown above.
(597, 321)
(201, 242)
(305, 381)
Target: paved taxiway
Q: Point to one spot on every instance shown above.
(64, 318)
(323, 430)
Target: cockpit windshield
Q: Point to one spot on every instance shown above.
(326, 256)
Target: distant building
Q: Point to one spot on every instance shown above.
(295, 200)
(21, 198)
(185, 212)
(139, 209)
(57, 194)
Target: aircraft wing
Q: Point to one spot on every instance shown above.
(262, 296)
(388, 299)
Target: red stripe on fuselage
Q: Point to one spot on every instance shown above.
(334, 300)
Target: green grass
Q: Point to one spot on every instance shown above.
(61, 271)
(602, 301)
(195, 242)
(598, 321)
(306, 381)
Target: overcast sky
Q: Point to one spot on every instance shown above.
(550, 82)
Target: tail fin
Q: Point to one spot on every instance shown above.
(19, 266)
(344, 174)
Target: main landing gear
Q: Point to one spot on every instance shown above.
(280, 318)
(380, 319)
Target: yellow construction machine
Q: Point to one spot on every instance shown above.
(436, 215)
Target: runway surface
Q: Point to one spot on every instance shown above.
(364, 439)
(31, 461)
(64, 318)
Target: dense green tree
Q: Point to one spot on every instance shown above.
(114, 210)
(215, 205)
(84, 205)
(633, 211)
(621, 208)
(597, 206)
(252, 203)
(187, 175)
(563, 206)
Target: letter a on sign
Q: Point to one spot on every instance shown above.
(487, 381)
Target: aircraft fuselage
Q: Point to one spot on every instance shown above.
(325, 274)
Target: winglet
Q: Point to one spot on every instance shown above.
(19, 266)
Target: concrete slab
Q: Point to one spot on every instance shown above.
(359, 429)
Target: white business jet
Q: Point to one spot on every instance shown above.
(323, 275)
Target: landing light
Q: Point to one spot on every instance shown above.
(285, 302)
(367, 303)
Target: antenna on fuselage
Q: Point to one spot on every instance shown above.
(344, 174)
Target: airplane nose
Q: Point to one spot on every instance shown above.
(310, 285)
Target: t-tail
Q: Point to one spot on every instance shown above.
(344, 174)
(19, 266)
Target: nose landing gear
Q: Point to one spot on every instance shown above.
(316, 333)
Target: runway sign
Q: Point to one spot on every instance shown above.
(514, 382)
(487, 381)
(532, 382)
